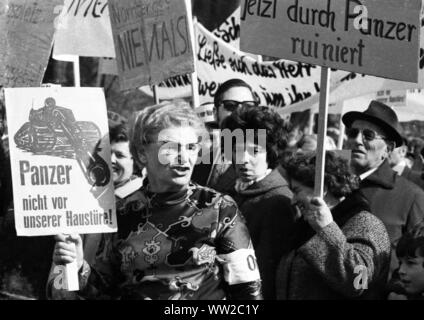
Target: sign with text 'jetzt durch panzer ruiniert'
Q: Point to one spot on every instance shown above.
(375, 37)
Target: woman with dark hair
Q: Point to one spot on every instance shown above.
(260, 191)
(339, 249)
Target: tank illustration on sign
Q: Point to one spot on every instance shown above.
(53, 131)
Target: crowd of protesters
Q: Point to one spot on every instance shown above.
(245, 225)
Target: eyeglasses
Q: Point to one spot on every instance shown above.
(231, 105)
(175, 148)
(367, 134)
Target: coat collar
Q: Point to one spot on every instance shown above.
(384, 176)
(271, 181)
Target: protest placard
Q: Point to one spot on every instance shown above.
(349, 85)
(60, 157)
(84, 30)
(272, 90)
(27, 29)
(355, 36)
(152, 40)
(275, 83)
(391, 97)
(376, 37)
(408, 104)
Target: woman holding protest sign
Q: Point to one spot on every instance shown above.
(127, 180)
(180, 240)
(339, 249)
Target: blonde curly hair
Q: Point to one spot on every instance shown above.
(146, 124)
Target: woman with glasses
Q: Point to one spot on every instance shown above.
(180, 240)
(127, 181)
(339, 250)
(260, 191)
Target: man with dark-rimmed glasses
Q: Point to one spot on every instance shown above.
(230, 95)
(372, 135)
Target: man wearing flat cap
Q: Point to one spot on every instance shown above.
(399, 203)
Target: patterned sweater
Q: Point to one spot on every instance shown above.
(188, 245)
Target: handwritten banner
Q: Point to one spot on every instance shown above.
(152, 40)
(360, 36)
(277, 83)
(60, 157)
(345, 85)
(27, 29)
(84, 30)
(229, 30)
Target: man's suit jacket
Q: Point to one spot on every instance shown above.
(413, 176)
(398, 202)
(218, 175)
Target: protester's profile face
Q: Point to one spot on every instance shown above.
(302, 196)
(397, 155)
(239, 94)
(367, 153)
(250, 160)
(122, 162)
(170, 158)
(411, 274)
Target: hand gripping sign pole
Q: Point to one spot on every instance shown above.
(71, 275)
(322, 131)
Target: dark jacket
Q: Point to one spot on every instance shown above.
(398, 202)
(266, 205)
(413, 176)
(222, 177)
(6, 196)
(326, 264)
(24, 261)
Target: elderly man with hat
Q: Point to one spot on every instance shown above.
(372, 135)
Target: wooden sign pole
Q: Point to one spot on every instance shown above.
(155, 94)
(322, 132)
(77, 76)
(194, 83)
(71, 276)
(71, 269)
(192, 22)
(311, 121)
(341, 134)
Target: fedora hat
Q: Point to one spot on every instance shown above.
(381, 115)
